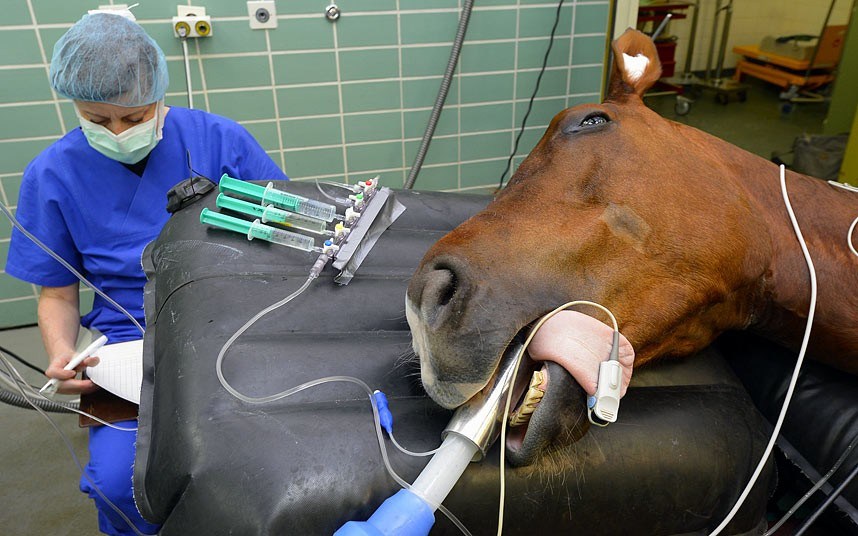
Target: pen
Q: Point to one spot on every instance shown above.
(50, 388)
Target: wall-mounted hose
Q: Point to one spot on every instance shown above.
(467, 7)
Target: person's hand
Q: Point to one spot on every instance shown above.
(68, 384)
(579, 343)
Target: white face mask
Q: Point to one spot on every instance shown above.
(130, 146)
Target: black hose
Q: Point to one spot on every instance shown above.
(467, 7)
(17, 399)
(831, 498)
(14, 399)
(814, 489)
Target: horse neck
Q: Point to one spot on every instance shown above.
(824, 213)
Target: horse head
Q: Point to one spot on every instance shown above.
(615, 205)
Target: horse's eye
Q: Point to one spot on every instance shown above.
(593, 120)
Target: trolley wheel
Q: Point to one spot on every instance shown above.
(682, 107)
(787, 108)
(743, 96)
(722, 98)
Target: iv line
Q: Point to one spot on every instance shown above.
(264, 399)
(70, 268)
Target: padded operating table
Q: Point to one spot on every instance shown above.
(687, 439)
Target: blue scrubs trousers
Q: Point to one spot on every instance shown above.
(111, 462)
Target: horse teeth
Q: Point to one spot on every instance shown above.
(532, 399)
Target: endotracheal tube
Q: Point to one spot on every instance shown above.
(471, 432)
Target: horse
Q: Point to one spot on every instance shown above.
(681, 235)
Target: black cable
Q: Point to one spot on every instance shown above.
(192, 171)
(533, 96)
(21, 360)
(831, 498)
(815, 487)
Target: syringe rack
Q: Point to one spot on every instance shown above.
(349, 243)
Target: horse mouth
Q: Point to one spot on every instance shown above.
(548, 412)
(548, 405)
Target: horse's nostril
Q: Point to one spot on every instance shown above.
(439, 290)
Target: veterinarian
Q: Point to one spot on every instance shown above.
(97, 196)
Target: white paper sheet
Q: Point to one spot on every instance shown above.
(120, 369)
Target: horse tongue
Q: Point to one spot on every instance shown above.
(579, 343)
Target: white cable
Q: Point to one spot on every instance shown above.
(849, 237)
(518, 359)
(843, 186)
(69, 267)
(187, 72)
(76, 460)
(799, 361)
(849, 233)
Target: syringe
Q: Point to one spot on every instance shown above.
(280, 199)
(257, 229)
(271, 213)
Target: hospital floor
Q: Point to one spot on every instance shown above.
(756, 125)
(38, 479)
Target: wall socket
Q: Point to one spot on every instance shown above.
(262, 13)
(191, 21)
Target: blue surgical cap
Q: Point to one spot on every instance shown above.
(108, 58)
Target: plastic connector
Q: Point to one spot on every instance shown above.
(319, 265)
(357, 201)
(329, 248)
(369, 185)
(403, 514)
(340, 231)
(351, 216)
(384, 415)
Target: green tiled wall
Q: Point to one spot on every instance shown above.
(327, 101)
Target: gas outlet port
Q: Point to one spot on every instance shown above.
(191, 21)
(262, 14)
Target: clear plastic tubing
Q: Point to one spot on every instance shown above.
(257, 229)
(280, 199)
(270, 213)
(444, 469)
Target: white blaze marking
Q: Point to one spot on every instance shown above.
(635, 66)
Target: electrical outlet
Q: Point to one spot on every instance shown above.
(262, 13)
(191, 21)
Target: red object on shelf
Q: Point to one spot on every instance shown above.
(666, 53)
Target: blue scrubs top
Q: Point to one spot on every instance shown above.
(98, 215)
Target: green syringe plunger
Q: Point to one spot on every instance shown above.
(280, 199)
(257, 229)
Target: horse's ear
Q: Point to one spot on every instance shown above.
(636, 66)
